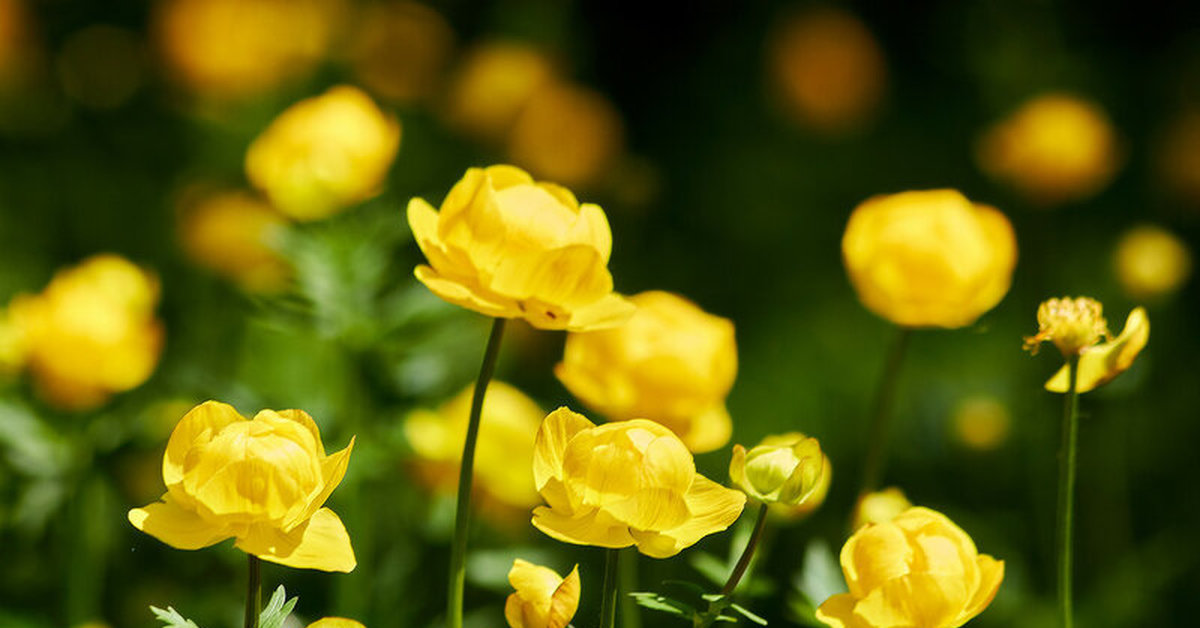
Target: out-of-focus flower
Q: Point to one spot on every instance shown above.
(18, 47)
(626, 483)
(1151, 262)
(493, 84)
(827, 69)
(1178, 156)
(237, 48)
(982, 422)
(929, 258)
(336, 622)
(1071, 324)
(504, 451)
(1100, 363)
(879, 507)
(508, 247)
(400, 49)
(567, 133)
(917, 570)
(543, 599)
(12, 344)
(236, 235)
(1054, 148)
(324, 154)
(100, 66)
(672, 363)
(262, 481)
(787, 470)
(90, 333)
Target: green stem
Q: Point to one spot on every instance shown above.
(747, 554)
(627, 572)
(608, 603)
(1066, 492)
(253, 591)
(466, 472)
(876, 458)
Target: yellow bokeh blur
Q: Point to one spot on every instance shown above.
(492, 84)
(567, 133)
(879, 506)
(1178, 156)
(236, 235)
(19, 49)
(1151, 262)
(399, 50)
(981, 422)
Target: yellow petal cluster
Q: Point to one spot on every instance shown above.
(261, 481)
(879, 507)
(918, 570)
(336, 622)
(506, 246)
(399, 50)
(324, 153)
(236, 235)
(929, 258)
(1071, 324)
(1099, 364)
(1151, 262)
(543, 599)
(626, 483)
(1055, 148)
(672, 363)
(784, 469)
(91, 333)
(503, 453)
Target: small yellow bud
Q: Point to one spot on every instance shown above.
(789, 469)
(1071, 324)
(879, 507)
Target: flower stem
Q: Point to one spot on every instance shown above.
(253, 591)
(462, 511)
(1066, 492)
(608, 603)
(627, 573)
(740, 569)
(876, 458)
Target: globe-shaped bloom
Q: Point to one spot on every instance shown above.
(543, 599)
(787, 470)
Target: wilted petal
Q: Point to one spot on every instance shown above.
(320, 543)
(175, 526)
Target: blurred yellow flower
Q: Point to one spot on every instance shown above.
(400, 49)
(1054, 148)
(261, 481)
(626, 483)
(335, 622)
(879, 507)
(1071, 324)
(785, 469)
(918, 570)
(543, 599)
(89, 334)
(1099, 364)
(236, 235)
(981, 423)
(672, 363)
(929, 258)
(503, 454)
(567, 133)
(493, 84)
(828, 71)
(236, 48)
(324, 154)
(508, 247)
(1151, 262)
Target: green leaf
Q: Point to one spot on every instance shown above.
(171, 618)
(745, 612)
(665, 604)
(277, 610)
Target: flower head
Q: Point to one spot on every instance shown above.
(1099, 364)
(1151, 262)
(543, 599)
(400, 49)
(1071, 324)
(261, 481)
(626, 483)
(506, 246)
(929, 258)
(917, 570)
(879, 507)
(567, 133)
(492, 86)
(786, 469)
(235, 234)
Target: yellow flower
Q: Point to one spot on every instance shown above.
(626, 483)
(324, 154)
(399, 50)
(236, 235)
(543, 599)
(503, 455)
(335, 622)
(90, 333)
(261, 481)
(1151, 262)
(879, 507)
(1100, 363)
(1055, 148)
(786, 469)
(567, 133)
(1071, 324)
(918, 570)
(929, 258)
(494, 83)
(982, 422)
(508, 247)
(672, 363)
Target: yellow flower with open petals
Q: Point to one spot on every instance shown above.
(626, 483)
(918, 570)
(261, 481)
(543, 599)
(1100, 363)
(508, 247)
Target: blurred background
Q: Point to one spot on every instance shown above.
(203, 199)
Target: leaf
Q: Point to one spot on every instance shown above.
(665, 604)
(821, 576)
(709, 566)
(277, 610)
(171, 618)
(745, 612)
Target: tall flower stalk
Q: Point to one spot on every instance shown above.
(881, 414)
(1066, 492)
(253, 591)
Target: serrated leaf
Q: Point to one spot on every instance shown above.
(171, 618)
(277, 610)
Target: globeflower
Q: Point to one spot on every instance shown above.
(1151, 262)
(567, 133)
(787, 470)
(508, 247)
(493, 84)
(879, 507)
(626, 483)
(917, 570)
(672, 363)
(929, 258)
(543, 599)
(1080, 327)
(261, 481)
(236, 235)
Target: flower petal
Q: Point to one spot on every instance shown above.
(592, 229)
(916, 599)
(333, 469)
(1098, 365)
(874, 555)
(838, 612)
(304, 420)
(593, 528)
(557, 429)
(991, 575)
(464, 295)
(565, 601)
(198, 425)
(175, 526)
(611, 311)
(713, 507)
(320, 543)
(709, 430)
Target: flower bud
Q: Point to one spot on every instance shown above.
(788, 469)
(1071, 324)
(543, 599)
(879, 507)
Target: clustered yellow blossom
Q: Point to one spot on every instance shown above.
(236, 235)
(879, 507)
(672, 363)
(785, 470)
(261, 481)
(543, 599)
(1151, 262)
(626, 483)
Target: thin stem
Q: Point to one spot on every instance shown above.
(253, 591)
(608, 603)
(876, 459)
(627, 573)
(747, 554)
(1066, 492)
(466, 472)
